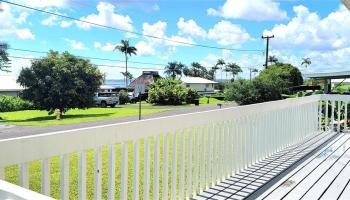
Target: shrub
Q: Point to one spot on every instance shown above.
(9, 104)
(242, 92)
(123, 97)
(169, 92)
(246, 92)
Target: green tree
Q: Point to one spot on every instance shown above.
(232, 68)
(4, 60)
(60, 81)
(273, 59)
(220, 65)
(306, 62)
(174, 69)
(127, 76)
(127, 50)
(285, 75)
(169, 92)
(196, 70)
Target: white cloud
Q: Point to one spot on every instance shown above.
(50, 21)
(106, 47)
(25, 34)
(65, 24)
(308, 30)
(257, 10)
(144, 48)
(161, 48)
(97, 45)
(106, 16)
(11, 22)
(75, 44)
(226, 33)
(44, 3)
(191, 28)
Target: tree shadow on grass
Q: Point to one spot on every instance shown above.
(64, 117)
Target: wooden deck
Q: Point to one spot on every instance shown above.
(325, 175)
(293, 173)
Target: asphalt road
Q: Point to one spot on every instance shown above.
(20, 131)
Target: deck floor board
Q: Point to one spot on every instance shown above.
(247, 182)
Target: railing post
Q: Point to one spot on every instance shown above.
(111, 172)
(82, 175)
(326, 116)
(136, 169)
(346, 116)
(320, 115)
(64, 177)
(98, 173)
(332, 117)
(339, 117)
(45, 177)
(124, 172)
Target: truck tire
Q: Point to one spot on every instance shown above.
(113, 105)
(103, 104)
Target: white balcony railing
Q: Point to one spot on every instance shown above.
(171, 157)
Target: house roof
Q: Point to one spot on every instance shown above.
(346, 3)
(146, 78)
(330, 75)
(197, 80)
(9, 83)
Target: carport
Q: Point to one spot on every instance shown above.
(328, 77)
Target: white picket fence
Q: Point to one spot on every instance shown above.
(182, 155)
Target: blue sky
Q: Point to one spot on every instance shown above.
(318, 29)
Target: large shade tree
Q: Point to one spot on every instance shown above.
(174, 69)
(127, 50)
(60, 81)
(4, 60)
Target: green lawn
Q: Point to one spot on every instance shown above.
(41, 118)
(12, 172)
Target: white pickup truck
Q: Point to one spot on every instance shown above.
(104, 99)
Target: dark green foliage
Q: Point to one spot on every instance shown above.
(10, 104)
(268, 86)
(174, 69)
(196, 70)
(242, 92)
(60, 81)
(4, 60)
(123, 97)
(169, 92)
(284, 75)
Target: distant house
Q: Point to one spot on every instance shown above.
(203, 86)
(146, 79)
(9, 86)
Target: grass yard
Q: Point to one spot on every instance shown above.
(12, 172)
(41, 118)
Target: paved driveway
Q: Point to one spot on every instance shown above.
(19, 131)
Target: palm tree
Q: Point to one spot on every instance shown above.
(127, 75)
(273, 59)
(233, 68)
(198, 70)
(128, 50)
(306, 62)
(4, 60)
(174, 69)
(220, 64)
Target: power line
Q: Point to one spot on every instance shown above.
(101, 65)
(91, 58)
(127, 31)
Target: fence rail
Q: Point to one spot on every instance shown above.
(171, 157)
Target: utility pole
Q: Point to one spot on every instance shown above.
(267, 48)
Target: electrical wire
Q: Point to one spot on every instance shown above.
(127, 31)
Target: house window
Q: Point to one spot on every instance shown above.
(206, 85)
(187, 85)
